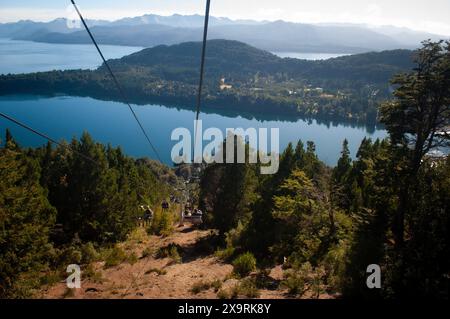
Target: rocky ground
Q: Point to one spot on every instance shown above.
(163, 278)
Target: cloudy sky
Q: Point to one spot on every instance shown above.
(427, 15)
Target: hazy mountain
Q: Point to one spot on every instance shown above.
(150, 30)
(180, 21)
(273, 36)
(28, 30)
(405, 35)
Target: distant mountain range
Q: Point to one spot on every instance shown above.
(279, 36)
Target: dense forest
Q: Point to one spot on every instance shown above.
(60, 206)
(238, 77)
(389, 206)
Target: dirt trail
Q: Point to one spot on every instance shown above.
(153, 278)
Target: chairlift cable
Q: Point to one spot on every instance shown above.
(11, 119)
(116, 82)
(202, 69)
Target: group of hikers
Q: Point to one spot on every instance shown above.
(193, 215)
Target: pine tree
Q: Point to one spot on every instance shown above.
(344, 164)
(25, 219)
(418, 119)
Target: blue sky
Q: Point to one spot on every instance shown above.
(427, 15)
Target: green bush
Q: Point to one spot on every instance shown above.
(248, 288)
(162, 224)
(170, 251)
(89, 253)
(115, 256)
(200, 286)
(216, 284)
(225, 254)
(50, 278)
(70, 255)
(244, 264)
(205, 285)
(296, 279)
(223, 294)
(132, 258)
(147, 252)
(91, 274)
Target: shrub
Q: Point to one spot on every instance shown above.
(216, 284)
(94, 276)
(147, 252)
(264, 281)
(50, 278)
(244, 264)
(296, 279)
(162, 224)
(199, 287)
(132, 258)
(248, 288)
(115, 256)
(204, 285)
(225, 254)
(170, 251)
(89, 253)
(70, 255)
(223, 294)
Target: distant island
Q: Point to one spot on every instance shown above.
(238, 77)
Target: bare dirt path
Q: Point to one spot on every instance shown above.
(152, 277)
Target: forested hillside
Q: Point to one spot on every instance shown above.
(388, 207)
(238, 77)
(58, 207)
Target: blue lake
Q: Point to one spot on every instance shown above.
(309, 56)
(26, 56)
(65, 117)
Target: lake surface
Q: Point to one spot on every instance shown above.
(65, 117)
(27, 56)
(310, 56)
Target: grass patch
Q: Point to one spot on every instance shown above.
(225, 254)
(249, 288)
(200, 286)
(244, 264)
(132, 258)
(92, 275)
(147, 252)
(50, 278)
(162, 223)
(114, 256)
(170, 251)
